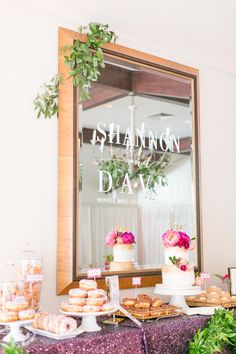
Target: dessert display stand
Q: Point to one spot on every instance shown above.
(89, 319)
(178, 296)
(15, 332)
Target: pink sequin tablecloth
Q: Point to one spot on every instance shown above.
(165, 336)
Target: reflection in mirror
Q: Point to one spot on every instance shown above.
(135, 164)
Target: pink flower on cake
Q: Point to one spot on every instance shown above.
(183, 267)
(127, 237)
(184, 240)
(170, 238)
(119, 238)
(111, 238)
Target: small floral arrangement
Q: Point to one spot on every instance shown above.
(179, 262)
(118, 237)
(173, 238)
(225, 279)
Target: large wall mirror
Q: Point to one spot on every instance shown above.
(128, 160)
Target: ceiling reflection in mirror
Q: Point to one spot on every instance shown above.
(135, 163)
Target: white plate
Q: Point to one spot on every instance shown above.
(204, 311)
(54, 335)
(16, 323)
(84, 314)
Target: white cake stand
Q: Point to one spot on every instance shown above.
(15, 332)
(89, 319)
(178, 294)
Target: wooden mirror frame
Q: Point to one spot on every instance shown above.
(67, 157)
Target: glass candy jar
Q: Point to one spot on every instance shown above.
(29, 268)
(11, 290)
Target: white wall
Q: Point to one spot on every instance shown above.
(28, 39)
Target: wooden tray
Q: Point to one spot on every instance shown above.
(197, 303)
(162, 313)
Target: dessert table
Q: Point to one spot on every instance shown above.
(169, 336)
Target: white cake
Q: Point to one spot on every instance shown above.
(124, 257)
(172, 275)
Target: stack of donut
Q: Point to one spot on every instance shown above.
(16, 308)
(86, 298)
(58, 324)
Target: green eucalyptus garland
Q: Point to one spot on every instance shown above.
(85, 59)
(219, 332)
(46, 103)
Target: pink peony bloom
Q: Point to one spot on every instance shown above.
(111, 238)
(170, 238)
(183, 267)
(184, 240)
(128, 238)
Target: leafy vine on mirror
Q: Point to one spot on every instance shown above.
(46, 102)
(85, 59)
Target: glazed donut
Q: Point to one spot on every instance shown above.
(97, 293)
(225, 294)
(18, 304)
(56, 323)
(89, 308)
(65, 306)
(49, 322)
(129, 302)
(87, 284)
(213, 301)
(76, 292)
(8, 316)
(213, 296)
(26, 314)
(142, 304)
(156, 302)
(107, 307)
(66, 324)
(144, 297)
(191, 298)
(77, 301)
(213, 289)
(95, 301)
(41, 319)
(201, 298)
(35, 322)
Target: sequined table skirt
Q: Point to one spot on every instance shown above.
(166, 336)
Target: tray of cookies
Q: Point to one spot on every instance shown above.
(145, 308)
(213, 296)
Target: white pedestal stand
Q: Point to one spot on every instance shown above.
(15, 332)
(89, 320)
(178, 294)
